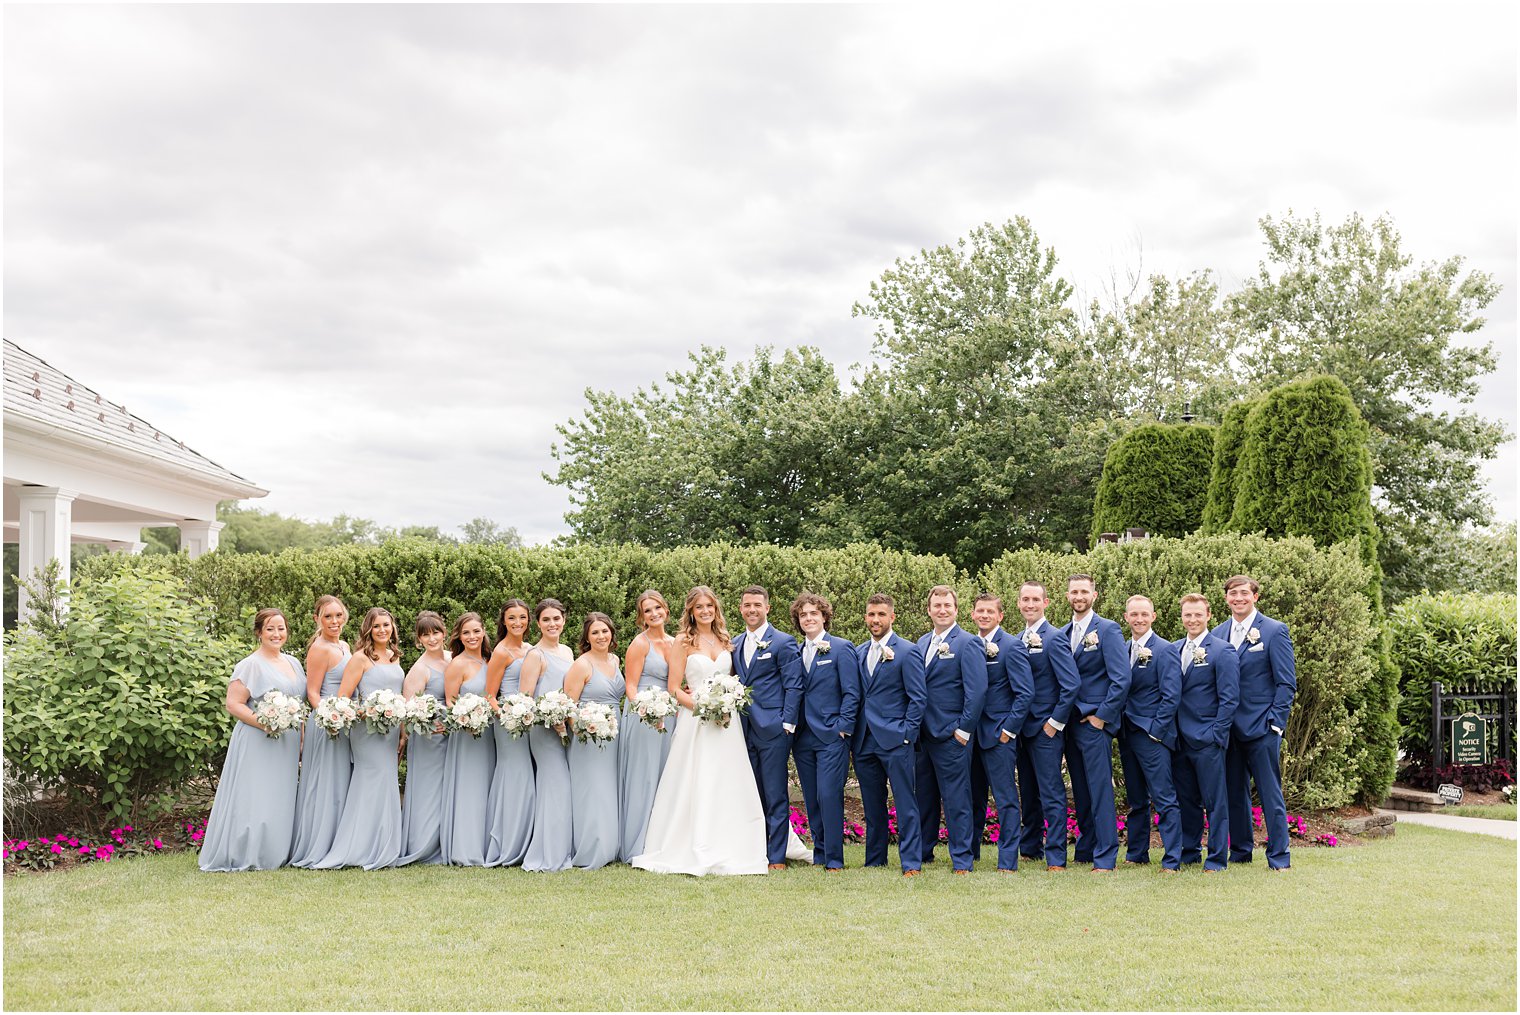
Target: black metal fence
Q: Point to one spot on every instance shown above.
(1497, 708)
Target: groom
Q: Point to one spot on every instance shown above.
(770, 665)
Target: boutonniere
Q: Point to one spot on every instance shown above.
(1091, 640)
(1253, 636)
(992, 650)
(944, 650)
(887, 655)
(1199, 655)
(1144, 655)
(761, 646)
(823, 648)
(1033, 640)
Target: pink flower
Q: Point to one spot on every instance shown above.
(57, 848)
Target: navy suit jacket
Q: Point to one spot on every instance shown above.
(1010, 690)
(957, 683)
(1155, 688)
(774, 680)
(1210, 693)
(1102, 672)
(892, 700)
(1055, 679)
(830, 692)
(1268, 677)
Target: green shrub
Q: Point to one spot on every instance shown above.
(1219, 501)
(1466, 641)
(122, 702)
(1154, 477)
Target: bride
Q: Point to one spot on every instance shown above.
(706, 817)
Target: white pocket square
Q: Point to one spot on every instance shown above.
(763, 655)
(1257, 648)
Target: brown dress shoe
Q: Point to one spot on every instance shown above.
(776, 867)
(911, 874)
(1053, 869)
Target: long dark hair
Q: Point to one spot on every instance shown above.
(456, 644)
(596, 618)
(501, 617)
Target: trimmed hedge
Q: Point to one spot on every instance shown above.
(1155, 477)
(1465, 640)
(1318, 591)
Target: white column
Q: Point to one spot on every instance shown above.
(47, 515)
(197, 538)
(135, 548)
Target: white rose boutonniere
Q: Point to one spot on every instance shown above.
(761, 646)
(1199, 655)
(1033, 640)
(1253, 636)
(887, 655)
(944, 650)
(1091, 640)
(1144, 655)
(992, 650)
(824, 647)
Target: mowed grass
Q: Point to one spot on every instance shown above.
(1423, 921)
(1498, 812)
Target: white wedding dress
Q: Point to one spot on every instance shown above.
(707, 817)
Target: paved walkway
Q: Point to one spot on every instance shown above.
(1483, 826)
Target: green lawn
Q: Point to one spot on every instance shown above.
(1499, 812)
(1423, 921)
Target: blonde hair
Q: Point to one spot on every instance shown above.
(317, 615)
(688, 631)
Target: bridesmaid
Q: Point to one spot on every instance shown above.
(369, 832)
(469, 760)
(642, 749)
(253, 815)
(509, 807)
(543, 671)
(593, 769)
(326, 762)
(422, 803)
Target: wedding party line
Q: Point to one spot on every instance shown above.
(675, 757)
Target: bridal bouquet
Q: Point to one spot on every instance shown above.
(652, 705)
(335, 715)
(518, 714)
(425, 715)
(720, 699)
(552, 710)
(596, 723)
(471, 713)
(383, 710)
(278, 712)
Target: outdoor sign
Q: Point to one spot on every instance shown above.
(1449, 794)
(1469, 740)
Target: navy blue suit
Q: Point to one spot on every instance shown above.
(994, 766)
(775, 682)
(1268, 680)
(1147, 737)
(1103, 684)
(830, 704)
(1041, 789)
(956, 679)
(1205, 713)
(891, 711)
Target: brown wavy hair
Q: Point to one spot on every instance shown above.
(501, 617)
(688, 632)
(365, 643)
(317, 616)
(594, 618)
(456, 644)
(638, 606)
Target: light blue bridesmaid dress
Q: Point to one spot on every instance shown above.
(327, 766)
(642, 751)
(594, 783)
(422, 804)
(467, 767)
(369, 832)
(509, 809)
(253, 816)
(550, 846)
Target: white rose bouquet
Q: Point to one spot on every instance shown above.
(720, 699)
(553, 709)
(425, 715)
(278, 712)
(518, 714)
(335, 715)
(653, 705)
(596, 723)
(470, 713)
(383, 710)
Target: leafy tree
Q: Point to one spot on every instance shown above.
(1219, 502)
(1155, 478)
(484, 530)
(1466, 559)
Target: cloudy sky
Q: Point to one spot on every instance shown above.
(368, 257)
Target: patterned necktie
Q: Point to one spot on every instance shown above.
(1134, 651)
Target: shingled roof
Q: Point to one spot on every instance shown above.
(40, 392)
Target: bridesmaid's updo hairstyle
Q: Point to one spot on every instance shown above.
(596, 618)
(366, 642)
(688, 632)
(428, 623)
(456, 643)
(548, 604)
(501, 617)
(316, 614)
(264, 616)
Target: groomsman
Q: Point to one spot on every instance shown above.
(769, 663)
(955, 674)
(1148, 736)
(1205, 713)
(1010, 690)
(891, 708)
(830, 703)
(1268, 680)
(1041, 790)
(1097, 645)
